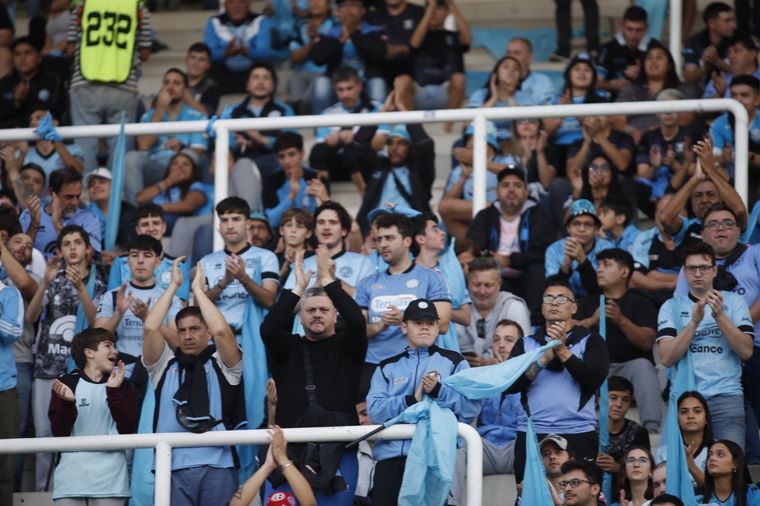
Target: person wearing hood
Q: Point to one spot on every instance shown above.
(517, 231)
(558, 389)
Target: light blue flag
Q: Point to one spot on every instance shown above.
(535, 490)
(678, 478)
(449, 264)
(255, 374)
(604, 423)
(143, 479)
(117, 183)
(479, 383)
(429, 469)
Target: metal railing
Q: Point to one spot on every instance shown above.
(477, 116)
(163, 443)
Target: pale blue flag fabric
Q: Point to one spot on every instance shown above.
(535, 490)
(604, 423)
(143, 480)
(117, 183)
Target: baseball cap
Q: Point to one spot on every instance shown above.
(556, 439)
(511, 170)
(581, 207)
(281, 499)
(99, 172)
(401, 132)
(420, 309)
(490, 133)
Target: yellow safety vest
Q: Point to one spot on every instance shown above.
(109, 29)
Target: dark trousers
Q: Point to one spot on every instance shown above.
(387, 483)
(746, 11)
(9, 422)
(341, 161)
(583, 446)
(563, 17)
(229, 81)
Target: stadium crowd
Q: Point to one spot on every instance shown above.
(360, 317)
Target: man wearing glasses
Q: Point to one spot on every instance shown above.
(738, 272)
(715, 327)
(574, 257)
(581, 483)
(558, 389)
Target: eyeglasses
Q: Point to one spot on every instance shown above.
(599, 166)
(582, 224)
(725, 224)
(692, 269)
(480, 326)
(641, 460)
(559, 299)
(574, 483)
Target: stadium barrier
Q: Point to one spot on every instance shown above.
(223, 127)
(163, 443)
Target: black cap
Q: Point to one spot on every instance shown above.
(420, 309)
(511, 170)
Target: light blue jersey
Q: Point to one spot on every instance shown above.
(195, 140)
(377, 292)
(121, 274)
(350, 268)
(556, 252)
(53, 161)
(129, 332)
(11, 328)
(717, 368)
(390, 191)
(46, 239)
(746, 270)
(753, 498)
(722, 133)
(231, 302)
(626, 239)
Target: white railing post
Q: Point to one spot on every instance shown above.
(479, 161)
(163, 488)
(474, 464)
(741, 153)
(675, 32)
(221, 177)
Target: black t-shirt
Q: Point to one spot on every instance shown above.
(631, 436)
(399, 30)
(684, 137)
(440, 56)
(44, 92)
(620, 140)
(634, 307)
(615, 57)
(207, 93)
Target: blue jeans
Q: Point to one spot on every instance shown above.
(727, 417)
(203, 486)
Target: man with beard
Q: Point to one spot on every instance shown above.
(230, 272)
(705, 188)
(559, 388)
(146, 165)
(332, 223)
(384, 296)
(328, 361)
(43, 224)
(517, 231)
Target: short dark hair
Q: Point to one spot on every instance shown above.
(746, 80)
(401, 222)
(506, 322)
(464, 245)
(619, 204)
(34, 167)
(345, 73)
(742, 39)
(150, 210)
(666, 499)
(486, 263)
(29, 41)
(715, 9)
(200, 47)
(635, 13)
(233, 205)
(286, 140)
(61, 177)
(266, 65)
(419, 223)
(73, 229)
(619, 384)
(719, 206)
(9, 221)
(8, 193)
(175, 70)
(343, 215)
(187, 312)
(699, 249)
(89, 339)
(146, 243)
(619, 255)
(592, 472)
(557, 280)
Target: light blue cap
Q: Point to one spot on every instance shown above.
(490, 133)
(401, 132)
(581, 207)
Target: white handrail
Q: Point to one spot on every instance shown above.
(166, 441)
(675, 32)
(224, 127)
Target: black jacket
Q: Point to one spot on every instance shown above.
(328, 50)
(336, 361)
(536, 234)
(421, 165)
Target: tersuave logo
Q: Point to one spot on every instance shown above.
(383, 303)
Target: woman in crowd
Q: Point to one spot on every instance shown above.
(696, 432)
(596, 181)
(727, 480)
(180, 191)
(636, 477)
(529, 149)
